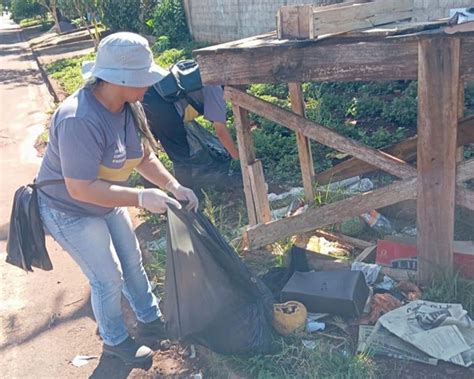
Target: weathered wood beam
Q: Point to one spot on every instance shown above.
(438, 81)
(303, 143)
(320, 133)
(259, 192)
(358, 16)
(334, 59)
(405, 150)
(261, 235)
(247, 157)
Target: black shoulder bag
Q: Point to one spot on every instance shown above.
(26, 246)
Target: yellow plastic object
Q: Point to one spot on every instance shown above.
(289, 317)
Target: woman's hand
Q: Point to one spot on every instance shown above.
(183, 194)
(155, 200)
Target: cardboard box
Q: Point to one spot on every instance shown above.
(401, 253)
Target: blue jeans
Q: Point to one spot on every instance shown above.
(108, 253)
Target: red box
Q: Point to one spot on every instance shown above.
(401, 253)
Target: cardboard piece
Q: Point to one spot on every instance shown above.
(401, 253)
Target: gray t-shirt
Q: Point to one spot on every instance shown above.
(88, 142)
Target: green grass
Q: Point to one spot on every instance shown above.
(293, 360)
(68, 72)
(451, 288)
(35, 21)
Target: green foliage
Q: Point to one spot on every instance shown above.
(162, 43)
(121, 15)
(22, 9)
(170, 57)
(170, 20)
(68, 72)
(451, 288)
(35, 21)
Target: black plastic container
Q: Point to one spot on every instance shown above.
(339, 292)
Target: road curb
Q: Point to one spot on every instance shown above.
(42, 71)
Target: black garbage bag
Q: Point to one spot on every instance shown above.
(26, 246)
(211, 296)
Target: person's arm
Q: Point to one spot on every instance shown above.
(154, 171)
(226, 139)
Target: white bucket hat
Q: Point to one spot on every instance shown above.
(124, 59)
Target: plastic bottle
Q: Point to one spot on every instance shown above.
(378, 222)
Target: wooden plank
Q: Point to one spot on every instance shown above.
(438, 81)
(315, 218)
(303, 143)
(261, 235)
(338, 237)
(247, 157)
(358, 16)
(259, 192)
(405, 150)
(293, 21)
(262, 59)
(320, 133)
(366, 253)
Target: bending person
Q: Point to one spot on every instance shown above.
(98, 136)
(167, 123)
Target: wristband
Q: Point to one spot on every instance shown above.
(140, 198)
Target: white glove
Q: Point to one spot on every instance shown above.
(183, 194)
(155, 200)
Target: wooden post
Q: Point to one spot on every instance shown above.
(460, 150)
(247, 157)
(259, 192)
(304, 147)
(438, 81)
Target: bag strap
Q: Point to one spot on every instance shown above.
(46, 183)
(198, 106)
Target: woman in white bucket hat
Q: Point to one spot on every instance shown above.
(98, 136)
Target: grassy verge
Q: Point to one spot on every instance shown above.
(35, 21)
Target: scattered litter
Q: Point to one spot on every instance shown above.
(297, 206)
(371, 271)
(192, 355)
(289, 317)
(197, 376)
(309, 344)
(82, 360)
(156, 245)
(363, 185)
(349, 186)
(387, 284)
(380, 304)
(295, 192)
(316, 316)
(409, 231)
(441, 330)
(385, 343)
(378, 222)
(165, 345)
(410, 290)
(314, 326)
(462, 14)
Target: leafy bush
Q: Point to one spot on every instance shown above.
(162, 43)
(21, 9)
(170, 57)
(170, 20)
(121, 15)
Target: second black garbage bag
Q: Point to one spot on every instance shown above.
(211, 297)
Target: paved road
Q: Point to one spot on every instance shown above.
(45, 317)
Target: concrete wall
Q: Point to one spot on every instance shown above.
(425, 10)
(227, 20)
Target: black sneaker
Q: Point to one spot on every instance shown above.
(129, 352)
(153, 330)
